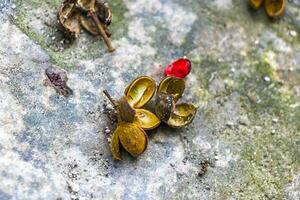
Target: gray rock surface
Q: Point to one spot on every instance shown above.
(245, 81)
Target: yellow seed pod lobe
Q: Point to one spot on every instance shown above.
(140, 91)
(256, 4)
(173, 86)
(183, 115)
(115, 145)
(275, 8)
(133, 139)
(146, 119)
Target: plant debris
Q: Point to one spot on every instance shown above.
(93, 15)
(58, 80)
(169, 91)
(203, 168)
(132, 118)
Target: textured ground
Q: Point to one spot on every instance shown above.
(245, 81)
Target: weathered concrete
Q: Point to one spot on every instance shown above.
(245, 80)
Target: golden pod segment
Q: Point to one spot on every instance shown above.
(146, 119)
(256, 4)
(140, 91)
(132, 138)
(275, 8)
(115, 145)
(173, 86)
(183, 115)
(164, 106)
(69, 19)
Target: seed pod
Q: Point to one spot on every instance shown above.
(86, 5)
(146, 119)
(256, 4)
(169, 91)
(173, 86)
(104, 14)
(140, 91)
(133, 139)
(164, 106)
(183, 115)
(275, 8)
(89, 25)
(127, 113)
(68, 18)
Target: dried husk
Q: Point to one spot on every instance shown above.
(183, 115)
(104, 14)
(132, 138)
(275, 8)
(146, 119)
(173, 86)
(86, 5)
(89, 25)
(256, 4)
(140, 91)
(68, 17)
(164, 106)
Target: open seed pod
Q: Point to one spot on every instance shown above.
(275, 8)
(256, 4)
(183, 115)
(93, 15)
(140, 91)
(68, 18)
(173, 86)
(132, 138)
(169, 91)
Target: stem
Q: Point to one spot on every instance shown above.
(113, 102)
(110, 98)
(102, 32)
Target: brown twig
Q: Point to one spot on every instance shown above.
(102, 32)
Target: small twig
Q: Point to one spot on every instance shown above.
(110, 99)
(102, 32)
(113, 102)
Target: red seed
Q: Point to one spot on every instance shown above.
(179, 68)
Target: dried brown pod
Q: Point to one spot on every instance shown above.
(68, 18)
(93, 15)
(275, 8)
(132, 119)
(168, 93)
(256, 4)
